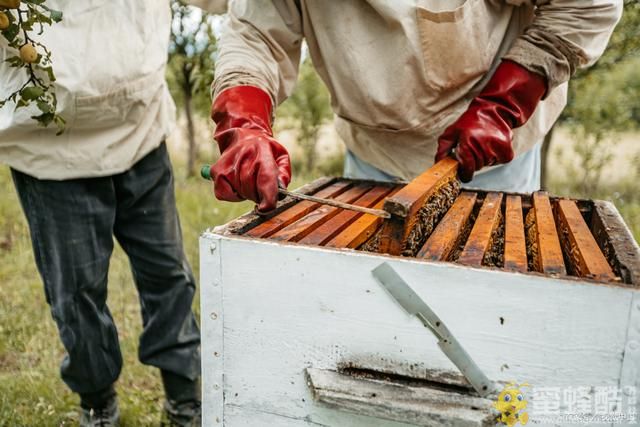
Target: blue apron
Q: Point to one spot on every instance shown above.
(521, 175)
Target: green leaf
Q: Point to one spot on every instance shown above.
(34, 16)
(55, 15)
(31, 93)
(60, 123)
(44, 107)
(22, 104)
(11, 32)
(44, 119)
(49, 71)
(15, 61)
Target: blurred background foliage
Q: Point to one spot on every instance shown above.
(593, 152)
(604, 101)
(190, 70)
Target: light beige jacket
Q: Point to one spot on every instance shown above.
(399, 72)
(109, 57)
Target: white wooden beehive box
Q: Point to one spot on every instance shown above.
(302, 335)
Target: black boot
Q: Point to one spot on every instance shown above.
(182, 405)
(100, 409)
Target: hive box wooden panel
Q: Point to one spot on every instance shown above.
(303, 335)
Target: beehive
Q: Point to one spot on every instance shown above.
(526, 233)
(537, 288)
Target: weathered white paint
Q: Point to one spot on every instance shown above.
(248, 416)
(630, 374)
(212, 332)
(416, 405)
(289, 307)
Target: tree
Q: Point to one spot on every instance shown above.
(600, 102)
(191, 68)
(594, 124)
(19, 22)
(307, 110)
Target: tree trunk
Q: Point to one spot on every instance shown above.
(545, 156)
(191, 133)
(311, 144)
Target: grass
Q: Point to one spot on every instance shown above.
(31, 392)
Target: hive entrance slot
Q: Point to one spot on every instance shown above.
(397, 400)
(371, 374)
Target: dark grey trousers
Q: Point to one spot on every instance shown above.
(72, 225)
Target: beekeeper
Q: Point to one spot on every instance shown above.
(107, 175)
(410, 81)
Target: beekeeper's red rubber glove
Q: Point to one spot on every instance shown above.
(482, 136)
(252, 163)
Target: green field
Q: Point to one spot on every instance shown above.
(31, 392)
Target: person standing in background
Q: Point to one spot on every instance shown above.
(107, 175)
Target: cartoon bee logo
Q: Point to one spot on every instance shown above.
(511, 403)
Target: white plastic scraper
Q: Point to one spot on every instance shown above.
(414, 305)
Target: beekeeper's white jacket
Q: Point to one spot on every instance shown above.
(109, 57)
(401, 71)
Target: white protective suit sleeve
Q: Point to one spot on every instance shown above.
(260, 46)
(565, 35)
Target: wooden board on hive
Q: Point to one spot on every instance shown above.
(479, 249)
(417, 208)
(545, 253)
(451, 231)
(501, 237)
(585, 259)
(515, 246)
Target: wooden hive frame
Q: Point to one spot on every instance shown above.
(545, 253)
(450, 233)
(515, 246)
(580, 247)
(478, 248)
(417, 208)
(514, 232)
